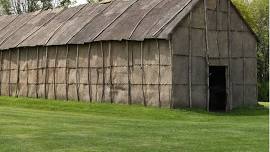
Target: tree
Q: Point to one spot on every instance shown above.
(5, 7)
(65, 3)
(24, 6)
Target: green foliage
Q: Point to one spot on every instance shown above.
(65, 3)
(256, 13)
(37, 125)
(46, 4)
(32, 5)
(5, 6)
(264, 91)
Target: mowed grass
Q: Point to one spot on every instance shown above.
(37, 125)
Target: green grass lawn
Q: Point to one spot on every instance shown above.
(40, 125)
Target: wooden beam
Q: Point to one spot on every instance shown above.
(128, 66)
(89, 73)
(103, 72)
(159, 75)
(77, 73)
(172, 86)
(46, 68)
(143, 75)
(190, 62)
(1, 71)
(229, 54)
(37, 76)
(27, 72)
(9, 91)
(244, 78)
(54, 73)
(206, 54)
(18, 72)
(67, 72)
(111, 68)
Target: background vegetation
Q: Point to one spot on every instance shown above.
(254, 11)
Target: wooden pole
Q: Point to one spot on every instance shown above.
(27, 73)
(103, 72)
(206, 53)
(46, 68)
(190, 61)
(37, 77)
(229, 53)
(77, 74)
(97, 84)
(67, 72)
(18, 72)
(129, 83)
(9, 91)
(172, 86)
(89, 73)
(244, 79)
(111, 67)
(1, 71)
(54, 72)
(142, 68)
(159, 75)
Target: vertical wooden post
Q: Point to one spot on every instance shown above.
(67, 72)
(229, 53)
(244, 79)
(103, 72)
(159, 75)
(142, 68)
(172, 85)
(111, 67)
(54, 73)
(1, 71)
(77, 74)
(97, 69)
(37, 77)
(128, 66)
(46, 68)
(18, 72)
(89, 73)
(27, 73)
(9, 91)
(244, 60)
(206, 53)
(190, 62)
(217, 28)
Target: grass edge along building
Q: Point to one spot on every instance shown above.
(164, 53)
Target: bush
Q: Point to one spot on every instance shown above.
(263, 91)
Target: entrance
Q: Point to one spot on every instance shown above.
(217, 84)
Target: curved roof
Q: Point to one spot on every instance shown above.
(117, 20)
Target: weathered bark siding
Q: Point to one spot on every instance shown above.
(129, 72)
(234, 48)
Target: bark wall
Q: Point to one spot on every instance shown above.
(126, 72)
(229, 43)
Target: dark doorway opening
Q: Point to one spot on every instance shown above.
(217, 84)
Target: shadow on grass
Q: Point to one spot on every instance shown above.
(241, 111)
